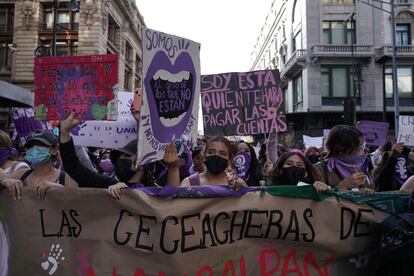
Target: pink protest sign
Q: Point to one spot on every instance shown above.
(80, 83)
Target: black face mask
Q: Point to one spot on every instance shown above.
(123, 170)
(216, 164)
(292, 175)
(314, 158)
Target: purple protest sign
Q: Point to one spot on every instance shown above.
(375, 133)
(242, 103)
(25, 122)
(171, 91)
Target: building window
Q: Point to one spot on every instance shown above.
(286, 97)
(401, 1)
(67, 20)
(64, 47)
(6, 18)
(402, 34)
(297, 42)
(113, 35)
(296, 12)
(337, 32)
(297, 90)
(336, 81)
(405, 82)
(338, 2)
(127, 80)
(128, 53)
(5, 55)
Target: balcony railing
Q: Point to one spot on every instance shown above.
(341, 50)
(385, 52)
(295, 63)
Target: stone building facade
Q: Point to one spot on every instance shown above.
(310, 42)
(98, 27)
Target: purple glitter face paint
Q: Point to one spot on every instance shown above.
(170, 92)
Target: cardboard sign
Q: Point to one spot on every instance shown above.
(242, 103)
(138, 99)
(375, 133)
(406, 130)
(108, 134)
(25, 122)
(316, 142)
(171, 90)
(84, 84)
(84, 232)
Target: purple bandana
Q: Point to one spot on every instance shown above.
(242, 162)
(5, 154)
(345, 165)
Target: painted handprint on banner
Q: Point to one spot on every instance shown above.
(53, 259)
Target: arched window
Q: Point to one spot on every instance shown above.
(296, 12)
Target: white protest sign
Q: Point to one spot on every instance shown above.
(109, 134)
(406, 130)
(171, 92)
(316, 142)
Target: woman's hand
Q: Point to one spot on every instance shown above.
(40, 189)
(355, 180)
(268, 167)
(398, 148)
(235, 182)
(66, 126)
(115, 190)
(320, 186)
(14, 186)
(171, 156)
(367, 191)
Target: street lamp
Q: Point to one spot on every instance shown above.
(391, 12)
(351, 19)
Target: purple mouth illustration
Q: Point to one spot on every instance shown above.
(170, 91)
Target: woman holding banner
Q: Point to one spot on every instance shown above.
(42, 151)
(346, 166)
(292, 168)
(218, 157)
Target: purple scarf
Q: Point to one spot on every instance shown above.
(346, 165)
(242, 162)
(5, 154)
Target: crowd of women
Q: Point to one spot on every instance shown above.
(346, 164)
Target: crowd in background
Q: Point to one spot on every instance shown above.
(345, 163)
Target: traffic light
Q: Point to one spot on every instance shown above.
(349, 110)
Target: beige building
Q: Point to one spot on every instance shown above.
(99, 27)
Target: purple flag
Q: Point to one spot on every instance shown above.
(242, 162)
(25, 122)
(375, 133)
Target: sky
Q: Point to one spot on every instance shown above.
(226, 29)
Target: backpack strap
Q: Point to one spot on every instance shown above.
(61, 178)
(195, 179)
(26, 175)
